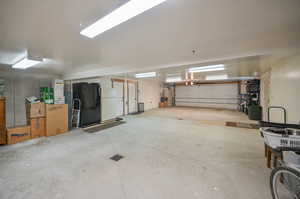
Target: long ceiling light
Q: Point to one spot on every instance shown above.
(120, 15)
(145, 75)
(218, 67)
(216, 77)
(26, 63)
(173, 79)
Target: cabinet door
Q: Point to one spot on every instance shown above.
(2, 113)
(2, 122)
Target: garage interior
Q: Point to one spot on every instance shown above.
(145, 99)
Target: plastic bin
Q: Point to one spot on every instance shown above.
(255, 112)
(141, 107)
(277, 138)
(291, 159)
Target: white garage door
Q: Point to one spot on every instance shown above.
(208, 96)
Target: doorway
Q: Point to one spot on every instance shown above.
(132, 97)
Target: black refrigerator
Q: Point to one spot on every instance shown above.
(87, 97)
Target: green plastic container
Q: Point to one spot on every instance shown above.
(46, 95)
(255, 112)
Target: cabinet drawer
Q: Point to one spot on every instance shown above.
(2, 121)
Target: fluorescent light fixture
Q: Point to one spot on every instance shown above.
(192, 75)
(173, 79)
(216, 77)
(244, 78)
(120, 15)
(144, 75)
(218, 67)
(26, 63)
(174, 75)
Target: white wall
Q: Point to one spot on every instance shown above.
(285, 89)
(149, 93)
(112, 95)
(265, 79)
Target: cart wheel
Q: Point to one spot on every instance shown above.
(285, 183)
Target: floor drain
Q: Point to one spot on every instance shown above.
(116, 157)
(180, 119)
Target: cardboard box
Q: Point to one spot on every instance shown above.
(35, 110)
(38, 127)
(163, 104)
(18, 134)
(56, 119)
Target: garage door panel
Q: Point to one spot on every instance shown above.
(208, 105)
(208, 100)
(210, 96)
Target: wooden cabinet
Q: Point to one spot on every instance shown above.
(2, 122)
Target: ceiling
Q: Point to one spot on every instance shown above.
(234, 68)
(174, 34)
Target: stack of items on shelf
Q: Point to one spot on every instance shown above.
(46, 116)
(58, 89)
(43, 120)
(250, 99)
(163, 102)
(54, 95)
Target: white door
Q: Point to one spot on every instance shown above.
(112, 101)
(132, 98)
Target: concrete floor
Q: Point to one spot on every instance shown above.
(202, 115)
(165, 158)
